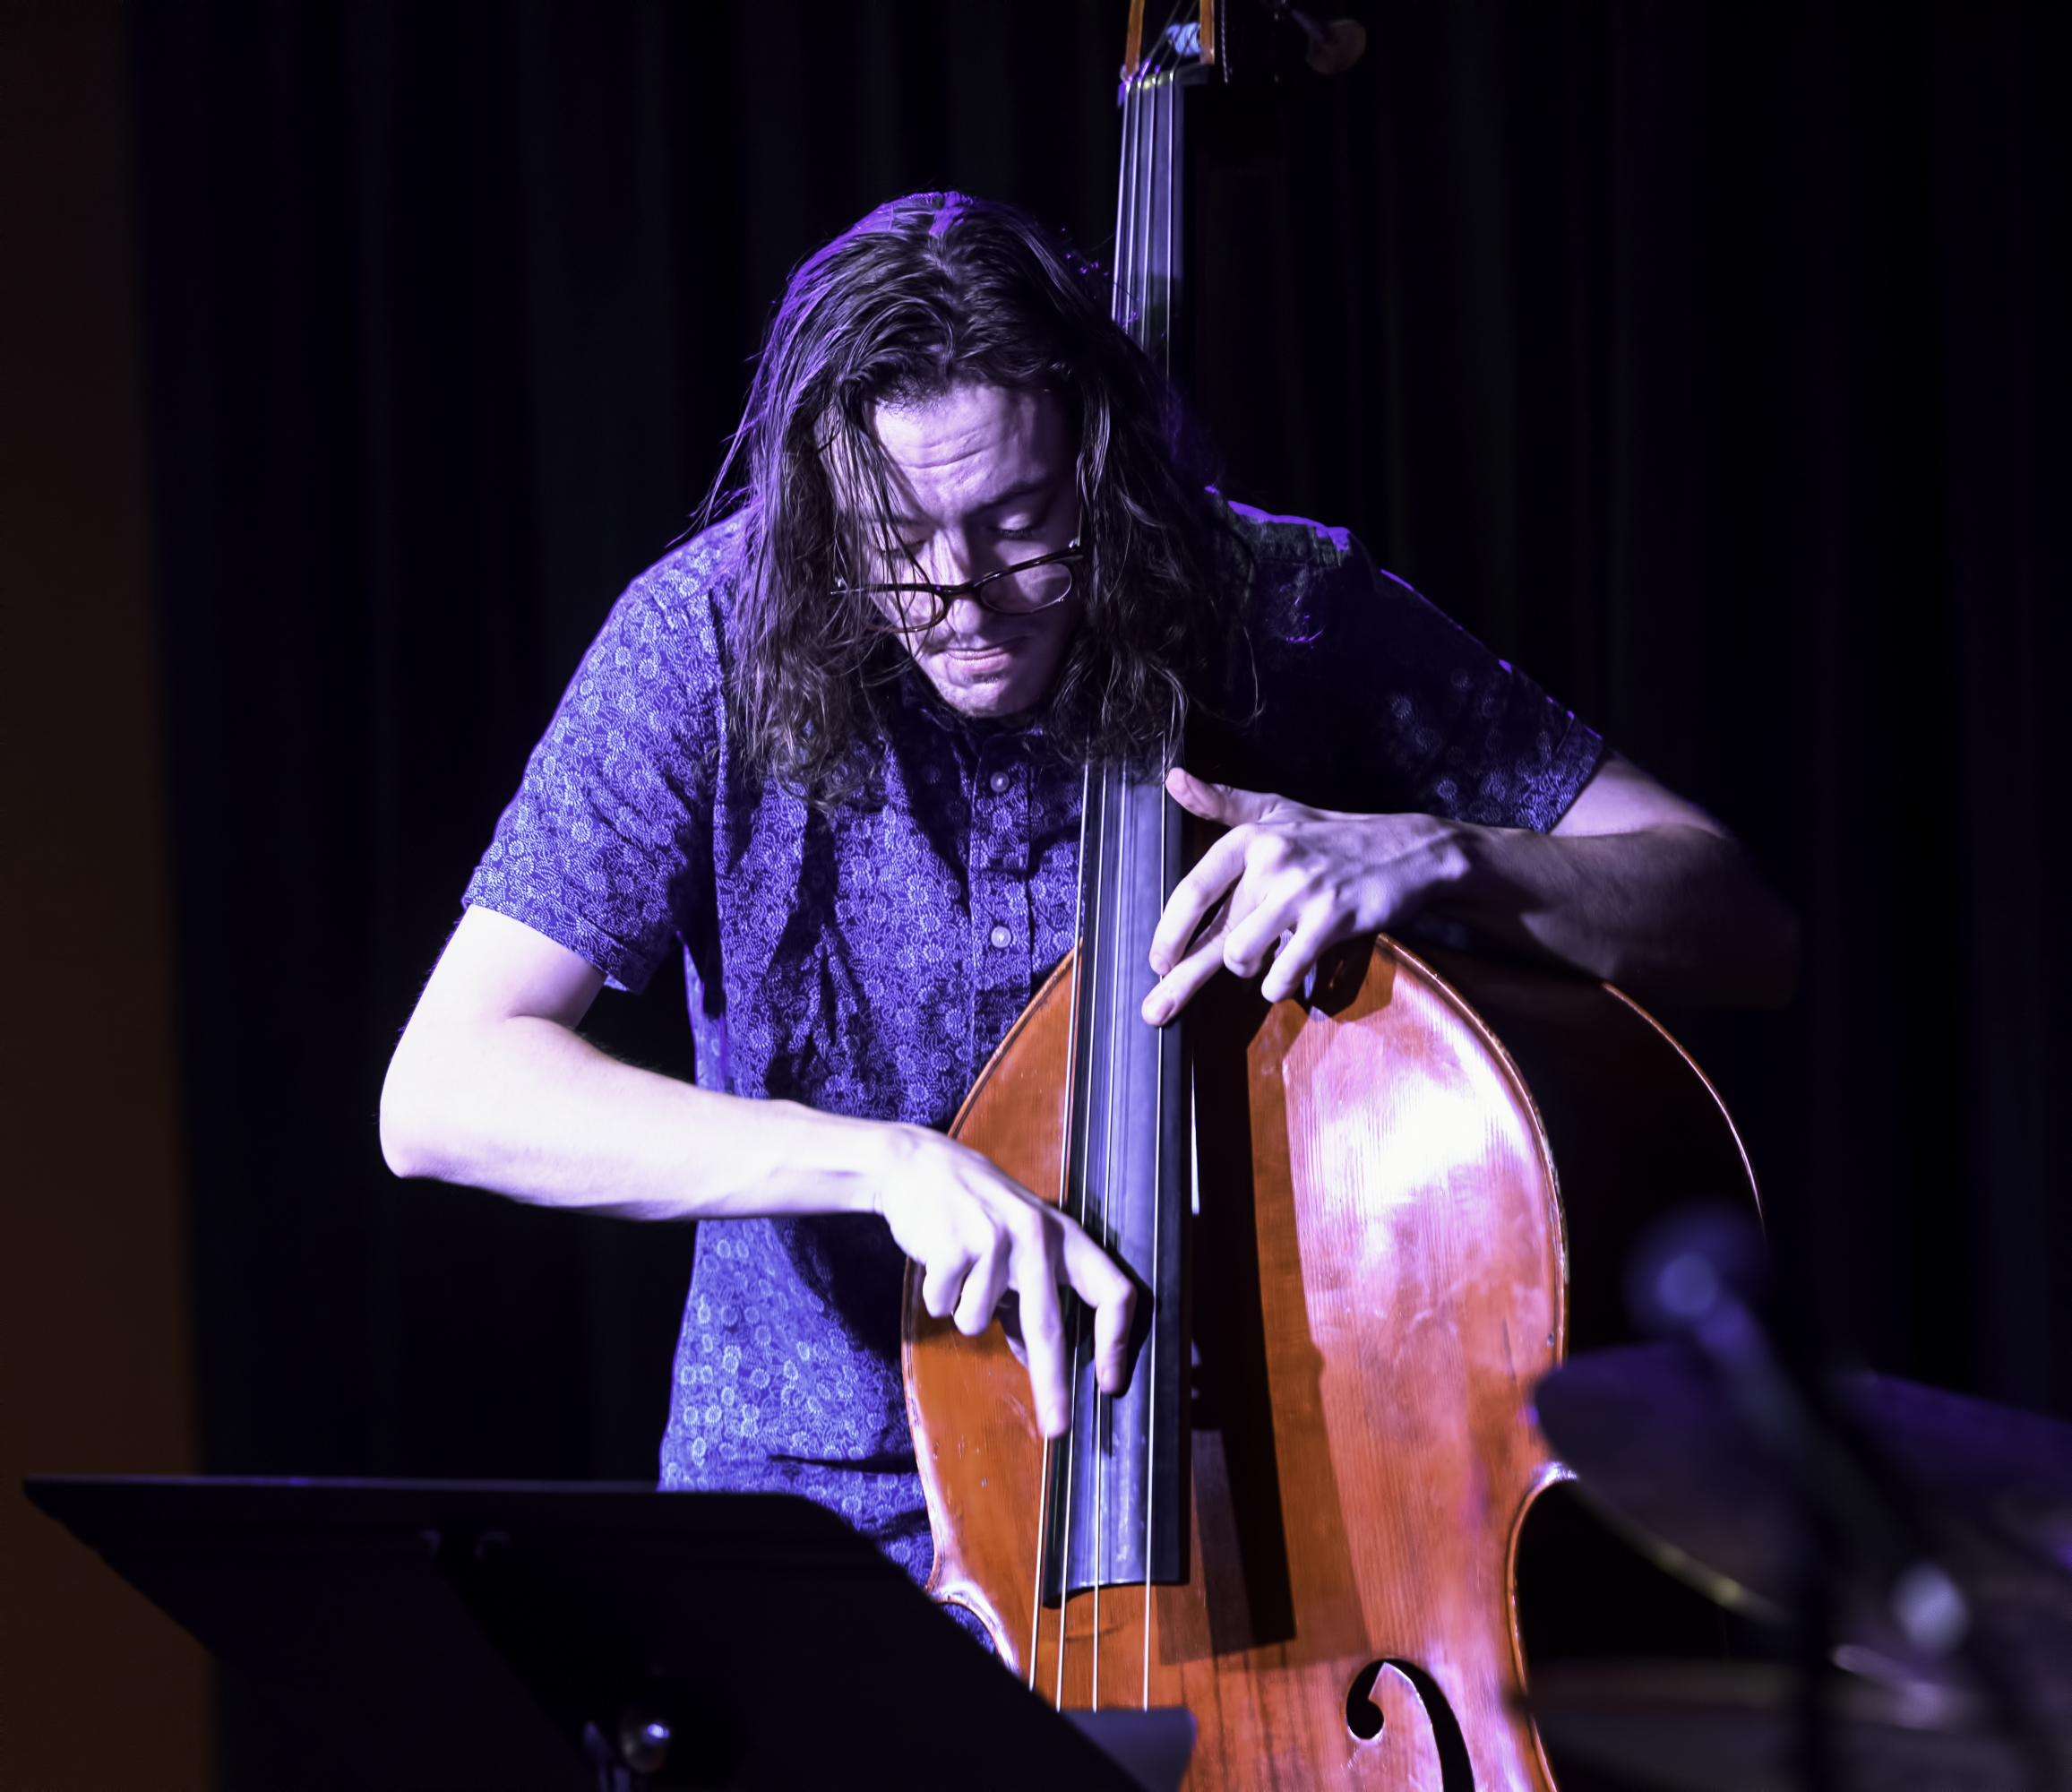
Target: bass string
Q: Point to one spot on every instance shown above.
(1158, 258)
(1112, 932)
(1064, 1453)
(1115, 1167)
(1150, 104)
(1150, 1477)
(1114, 840)
(1093, 839)
(1068, 1122)
(1113, 1186)
(1116, 931)
(1106, 843)
(1169, 110)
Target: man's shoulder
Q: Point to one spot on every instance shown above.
(699, 571)
(1299, 581)
(676, 613)
(1274, 537)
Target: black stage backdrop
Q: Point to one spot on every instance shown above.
(1698, 357)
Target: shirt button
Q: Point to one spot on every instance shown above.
(1000, 937)
(999, 781)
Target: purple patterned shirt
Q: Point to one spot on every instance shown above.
(867, 959)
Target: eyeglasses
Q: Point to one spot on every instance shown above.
(1021, 589)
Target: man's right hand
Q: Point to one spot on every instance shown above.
(492, 1086)
(975, 1234)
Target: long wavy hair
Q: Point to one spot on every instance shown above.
(928, 292)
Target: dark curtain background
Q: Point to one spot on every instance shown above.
(1698, 356)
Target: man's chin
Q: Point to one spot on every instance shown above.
(1009, 679)
(989, 707)
(986, 698)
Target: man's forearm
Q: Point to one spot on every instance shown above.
(527, 1108)
(1675, 915)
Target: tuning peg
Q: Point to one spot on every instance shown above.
(1334, 47)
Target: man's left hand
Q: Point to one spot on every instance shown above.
(1287, 874)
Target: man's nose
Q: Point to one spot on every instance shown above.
(948, 560)
(966, 615)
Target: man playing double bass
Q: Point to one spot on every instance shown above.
(833, 744)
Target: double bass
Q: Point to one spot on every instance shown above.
(1366, 1220)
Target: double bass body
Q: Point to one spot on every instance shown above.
(1377, 1279)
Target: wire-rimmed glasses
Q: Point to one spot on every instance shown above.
(1021, 589)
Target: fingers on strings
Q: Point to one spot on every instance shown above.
(1199, 905)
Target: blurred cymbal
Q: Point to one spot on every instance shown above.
(1658, 1448)
(1653, 1437)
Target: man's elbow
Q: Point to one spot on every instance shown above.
(1758, 965)
(412, 1134)
(1766, 940)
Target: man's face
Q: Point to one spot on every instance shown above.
(982, 478)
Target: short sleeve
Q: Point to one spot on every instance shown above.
(1348, 691)
(607, 847)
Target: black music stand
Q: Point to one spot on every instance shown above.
(545, 1637)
